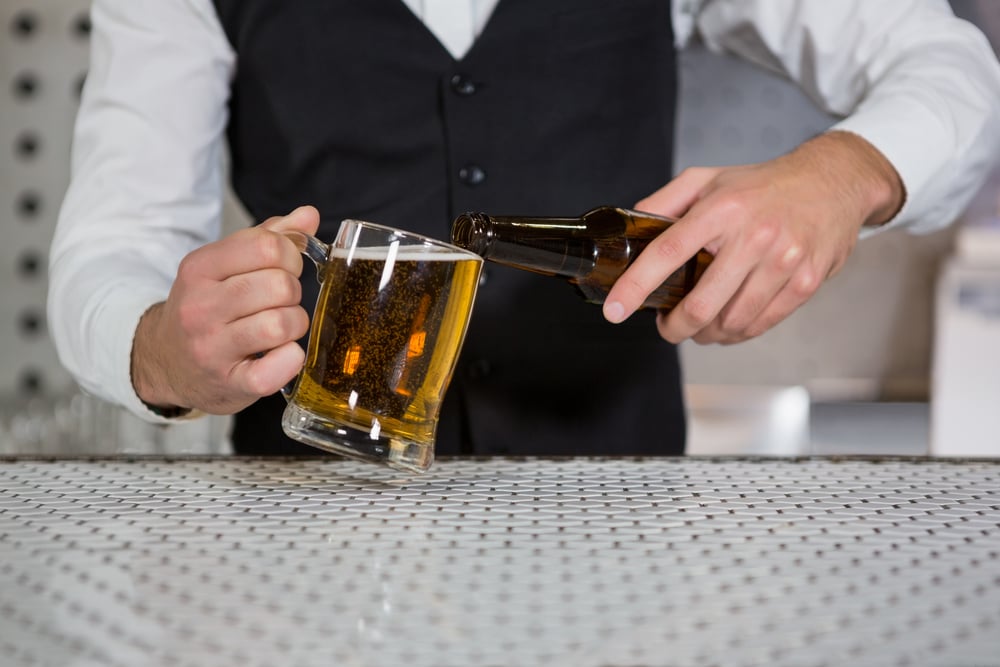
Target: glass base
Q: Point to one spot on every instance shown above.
(346, 440)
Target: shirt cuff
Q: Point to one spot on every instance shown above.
(889, 128)
(126, 315)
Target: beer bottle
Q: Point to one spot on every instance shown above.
(590, 251)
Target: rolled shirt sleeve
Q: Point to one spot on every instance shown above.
(919, 84)
(146, 181)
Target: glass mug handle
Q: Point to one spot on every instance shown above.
(318, 252)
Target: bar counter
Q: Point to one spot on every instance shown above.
(673, 561)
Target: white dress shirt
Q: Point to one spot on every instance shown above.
(147, 164)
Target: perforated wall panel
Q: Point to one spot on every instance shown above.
(43, 60)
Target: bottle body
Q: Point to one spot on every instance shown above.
(591, 251)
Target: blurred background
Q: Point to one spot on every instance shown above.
(898, 354)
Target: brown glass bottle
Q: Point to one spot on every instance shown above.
(590, 251)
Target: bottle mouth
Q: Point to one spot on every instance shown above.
(472, 232)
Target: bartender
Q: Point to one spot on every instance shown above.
(408, 112)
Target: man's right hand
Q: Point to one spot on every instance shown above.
(226, 335)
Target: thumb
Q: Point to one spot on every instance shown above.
(303, 219)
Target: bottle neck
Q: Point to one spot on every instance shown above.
(551, 246)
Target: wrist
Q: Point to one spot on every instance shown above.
(870, 178)
(149, 374)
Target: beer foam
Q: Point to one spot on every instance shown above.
(403, 253)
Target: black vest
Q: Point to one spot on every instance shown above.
(559, 106)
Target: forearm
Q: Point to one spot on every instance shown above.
(921, 86)
(146, 182)
(862, 178)
(94, 306)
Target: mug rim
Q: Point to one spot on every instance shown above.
(413, 235)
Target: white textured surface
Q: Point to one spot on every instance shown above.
(541, 562)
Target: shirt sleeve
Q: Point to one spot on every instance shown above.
(146, 181)
(919, 84)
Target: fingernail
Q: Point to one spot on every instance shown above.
(614, 312)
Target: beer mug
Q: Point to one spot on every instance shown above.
(388, 326)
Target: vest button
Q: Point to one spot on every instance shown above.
(472, 175)
(463, 85)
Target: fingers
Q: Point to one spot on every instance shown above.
(250, 293)
(768, 271)
(247, 250)
(777, 230)
(264, 331)
(733, 323)
(757, 295)
(670, 250)
(701, 307)
(767, 297)
(233, 301)
(796, 292)
(267, 374)
(762, 272)
(303, 219)
(664, 255)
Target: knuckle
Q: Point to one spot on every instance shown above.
(758, 328)
(300, 323)
(735, 322)
(729, 321)
(287, 324)
(256, 382)
(763, 234)
(696, 310)
(666, 332)
(287, 289)
(729, 206)
(737, 318)
(273, 326)
(805, 283)
(189, 265)
(246, 234)
(697, 173)
(267, 248)
(790, 255)
(632, 288)
(689, 173)
(668, 248)
(704, 338)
